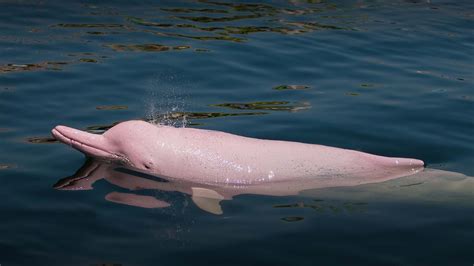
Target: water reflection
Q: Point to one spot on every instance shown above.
(350, 199)
(227, 19)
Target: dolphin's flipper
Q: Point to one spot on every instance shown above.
(136, 200)
(207, 200)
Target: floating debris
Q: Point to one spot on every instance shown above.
(112, 107)
(291, 87)
(292, 219)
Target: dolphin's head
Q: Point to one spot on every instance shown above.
(127, 142)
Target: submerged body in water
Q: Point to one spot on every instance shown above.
(213, 157)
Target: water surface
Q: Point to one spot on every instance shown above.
(393, 78)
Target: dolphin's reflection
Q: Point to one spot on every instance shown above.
(208, 197)
(205, 196)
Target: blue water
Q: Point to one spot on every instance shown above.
(393, 78)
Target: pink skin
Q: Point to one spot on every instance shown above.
(213, 157)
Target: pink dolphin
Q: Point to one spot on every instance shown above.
(213, 157)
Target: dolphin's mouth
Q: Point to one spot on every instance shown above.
(90, 144)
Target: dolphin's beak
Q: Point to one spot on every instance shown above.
(87, 143)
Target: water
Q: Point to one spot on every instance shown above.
(387, 77)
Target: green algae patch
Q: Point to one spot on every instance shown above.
(112, 107)
(291, 87)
